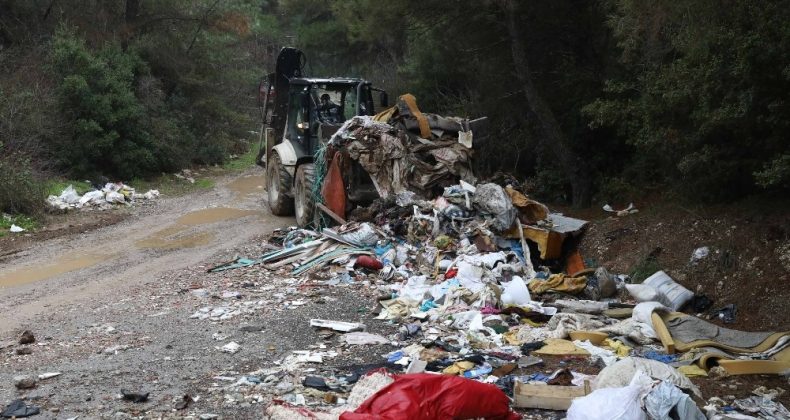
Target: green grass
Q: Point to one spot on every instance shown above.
(169, 185)
(204, 183)
(56, 186)
(243, 161)
(25, 222)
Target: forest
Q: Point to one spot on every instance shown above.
(589, 102)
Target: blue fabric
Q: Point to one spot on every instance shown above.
(661, 357)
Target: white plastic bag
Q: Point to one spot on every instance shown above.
(643, 293)
(515, 292)
(114, 197)
(671, 294)
(69, 195)
(619, 374)
(91, 197)
(609, 404)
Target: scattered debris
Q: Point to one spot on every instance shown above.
(137, 397)
(337, 325)
(24, 382)
(232, 348)
(620, 213)
(183, 402)
(48, 375)
(104, 198)
(27, 337)
(18, 409)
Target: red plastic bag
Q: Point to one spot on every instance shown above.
(423, 396)
(368, 262)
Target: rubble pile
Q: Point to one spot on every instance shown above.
(475, 300)
(109, 196)
(495, 307)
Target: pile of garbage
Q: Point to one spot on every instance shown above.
(110, 195)
(496, 307)
(398, 162)
(488, 290)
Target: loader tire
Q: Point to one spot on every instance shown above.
(278, 184)
(304, 205)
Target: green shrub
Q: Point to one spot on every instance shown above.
(106, 134)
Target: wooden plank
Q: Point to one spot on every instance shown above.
(754, 367)
(548, 397)
(330, 213)
(663, 333)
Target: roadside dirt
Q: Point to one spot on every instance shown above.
(135, 246)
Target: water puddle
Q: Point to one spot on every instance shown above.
(213, 215)
(248, 185)
(64, 264)
(163, 241)
(171, 237)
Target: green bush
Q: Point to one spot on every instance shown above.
(106, 134)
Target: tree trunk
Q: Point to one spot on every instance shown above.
(553, 137)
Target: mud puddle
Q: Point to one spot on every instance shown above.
(247, 186)
(64, 264)
(172, 237)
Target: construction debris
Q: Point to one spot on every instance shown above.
(477, 279)
(107, 197)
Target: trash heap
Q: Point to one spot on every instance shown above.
(106, 197)
(487, 289)
(496, 308)
(399, 163)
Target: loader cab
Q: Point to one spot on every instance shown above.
(318, 107)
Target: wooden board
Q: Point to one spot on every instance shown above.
(547, 397)
(663, 333)
(549, 242)
(754, 367)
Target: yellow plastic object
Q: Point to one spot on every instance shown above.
(594, 337)
(558, 283)
(692, 371)
(411, 103)
(458, 368)
(560, 347)
(619, 348)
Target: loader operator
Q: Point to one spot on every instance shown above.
(329, 111)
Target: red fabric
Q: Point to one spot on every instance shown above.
(368, 262)
(333, 190)
(451, 273)
(423, 396)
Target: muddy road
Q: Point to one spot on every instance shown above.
(165, 235)
(131, 306)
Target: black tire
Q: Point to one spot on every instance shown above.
(304, 205)
(278, 184)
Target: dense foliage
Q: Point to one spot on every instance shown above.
(589, 101)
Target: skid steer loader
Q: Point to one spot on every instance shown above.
(299, 115)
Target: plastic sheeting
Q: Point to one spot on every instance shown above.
(491, 199)
(423, 396)
(668, 402)
(618, 374)
(620, 403)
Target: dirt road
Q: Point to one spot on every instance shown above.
(172, 233)
(131, 306)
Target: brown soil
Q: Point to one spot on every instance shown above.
(60, 225)
(748, 264)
